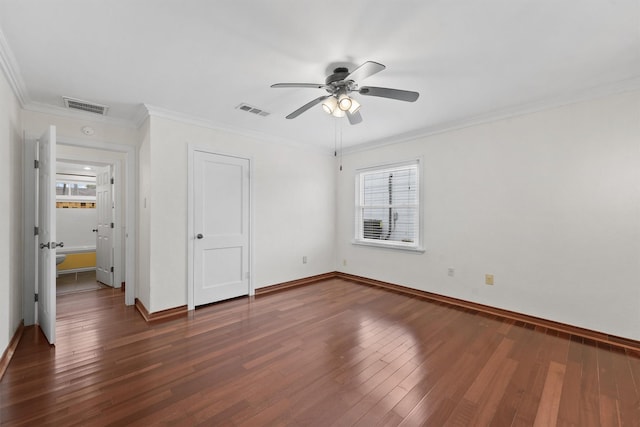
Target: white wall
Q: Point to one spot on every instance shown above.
(293, 207)
(74, 228)
(70, 128)
(548, 202)
(10, 214)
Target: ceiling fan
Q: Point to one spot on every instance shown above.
(340, 84)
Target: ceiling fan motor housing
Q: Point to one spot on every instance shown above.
(338, 76)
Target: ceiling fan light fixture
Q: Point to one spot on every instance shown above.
(338, 113)
(344, 102)
(329, 105)
(355, 106)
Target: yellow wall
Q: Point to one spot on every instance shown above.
(82, 260)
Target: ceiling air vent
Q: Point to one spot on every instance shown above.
(90, 107)
(251, 109)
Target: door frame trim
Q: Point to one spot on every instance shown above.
(129, 171)
(191, 150)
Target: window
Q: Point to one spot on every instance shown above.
(75, 187)
(388, 206)
(66, 188)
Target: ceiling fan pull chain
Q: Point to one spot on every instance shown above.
(340, 145)
(335, 138)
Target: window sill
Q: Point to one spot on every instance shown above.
(387, 246)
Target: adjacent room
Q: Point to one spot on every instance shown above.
(338, 213)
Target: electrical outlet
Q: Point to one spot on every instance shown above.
(304, 259)
(344, 262)
(451, 272)
(488, 279)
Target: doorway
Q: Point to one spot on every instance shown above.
(123, 159)
(85, 206)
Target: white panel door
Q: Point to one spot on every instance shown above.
(104, 238)
(47, 234)
(221, 225)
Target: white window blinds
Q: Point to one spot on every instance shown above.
(388, 205)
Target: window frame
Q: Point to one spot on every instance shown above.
(358, 234)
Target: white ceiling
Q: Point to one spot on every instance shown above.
(470, 60)
(72, 168)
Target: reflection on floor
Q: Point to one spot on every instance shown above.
(77, 282)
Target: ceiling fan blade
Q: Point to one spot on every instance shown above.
(306, 106)
(311, 85)
(367, 69)
(385, 92)
(354, 118)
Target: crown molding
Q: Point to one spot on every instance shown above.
(622, 86)
(164, 113)
(141, 115)
(12, 71)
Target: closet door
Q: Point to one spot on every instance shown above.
(221, 225)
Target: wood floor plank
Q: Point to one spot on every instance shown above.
(547, 415)
(539, 360)
(494, 394)
(479, 402)
(609, 405)
(633, 360)
(516, 395)
(628, 398)
(488, 371)
(589, 396)
(569, 407)
(330, 353)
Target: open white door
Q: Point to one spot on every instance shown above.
(104, 239)
(221, 224)
(47, 234)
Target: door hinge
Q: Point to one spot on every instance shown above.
(36, 231)
(36, 164)
(113, 181)
(35, 297)
(112, 269)
(112, 225)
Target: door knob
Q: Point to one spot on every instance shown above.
(199, 236)
(95, 230)
(44, 245)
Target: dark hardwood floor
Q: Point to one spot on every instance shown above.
(331, 353)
